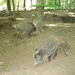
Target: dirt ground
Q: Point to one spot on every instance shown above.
(16, 55)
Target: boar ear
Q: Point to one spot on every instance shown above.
(36, 49)
(40, 52)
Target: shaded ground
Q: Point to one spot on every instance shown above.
(16, 56)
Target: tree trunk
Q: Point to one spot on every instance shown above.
(9, 6)
(31, 3)
(44, 1)
(39, 16)
(55, 3)
(24, 5)
(66, 4)
(59, 3)
(70, 4)
(14, 13)
(18, 6)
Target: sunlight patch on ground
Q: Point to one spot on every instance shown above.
(59, 24)
(52, 25)
(47, 12)
(72, 14)
(20, 18)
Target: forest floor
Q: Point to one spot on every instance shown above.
(16, 55)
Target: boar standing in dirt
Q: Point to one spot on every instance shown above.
(50, 48)
(25, 28)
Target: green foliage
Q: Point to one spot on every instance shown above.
(56, 4)
(38, 5)
(53, 6)
(49, 4)
(2, 2)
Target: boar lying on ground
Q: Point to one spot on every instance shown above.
(50, 48)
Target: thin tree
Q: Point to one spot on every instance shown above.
(24, 5)
(55, 4)
(14, 13)
(18, 6)
(70, 4)
(59, 3)
(31, 3)
(9, 6)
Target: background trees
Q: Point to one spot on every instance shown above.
(49, 4)
(39, 6)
